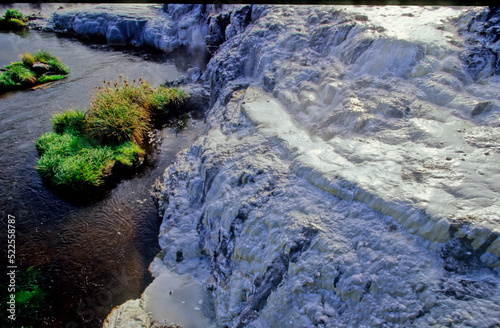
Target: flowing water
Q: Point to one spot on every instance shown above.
(93, 256)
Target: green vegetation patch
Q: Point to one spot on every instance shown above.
(33, 69)
(13, 14)
(74, 161)
(72, 121)
(168, 100)
(120, 112)
(86, 145)
(30, 297)
(12, 20)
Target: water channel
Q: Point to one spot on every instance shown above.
(93, 256)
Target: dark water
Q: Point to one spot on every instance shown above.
(94, 256)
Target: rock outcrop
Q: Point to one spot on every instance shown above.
(168, 28)
(348, 177)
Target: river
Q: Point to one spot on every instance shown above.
(93, 256)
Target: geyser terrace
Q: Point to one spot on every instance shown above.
(346, 176)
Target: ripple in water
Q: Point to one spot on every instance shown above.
(95, 256)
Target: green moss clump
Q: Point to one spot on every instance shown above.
(12, 20)
(49, 78)
(24, 74)
(86, 145)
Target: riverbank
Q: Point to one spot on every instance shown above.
(348, 176)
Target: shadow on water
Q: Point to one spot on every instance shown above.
(93, 254)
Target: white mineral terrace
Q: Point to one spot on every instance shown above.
(349, 177)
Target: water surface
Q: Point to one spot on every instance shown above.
(95, 255)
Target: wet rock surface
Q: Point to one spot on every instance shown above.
(343, 179)
(167, 28)
(482, 32)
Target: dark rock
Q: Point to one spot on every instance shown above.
(194, 74)
(361, 18)
(239, 20)
(466, 289)
(226, 25)
(459, 256)
(326, 36)
(481, 107)
(258, 12)
(266, 284)
(40, 68)
(480, 62)
(482, 34)
(179, 257)
(269, 81)
(351, 54)
(216, 34)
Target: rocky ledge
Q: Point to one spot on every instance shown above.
(348, 176)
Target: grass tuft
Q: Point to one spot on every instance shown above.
(28, 59)
(57, 67)
(12, 20)
(120, 112)
(127, 153)
(13, 14)
(168, 100)
(67, 160)
(6, 82)
(74, 161)
(23, 74)
(49, 78)
(44, 56)
(71, 122)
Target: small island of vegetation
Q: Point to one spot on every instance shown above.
(33, 69)
(13, 20)
(86, 146)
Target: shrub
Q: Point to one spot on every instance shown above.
(120, 112)
(72, 121)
